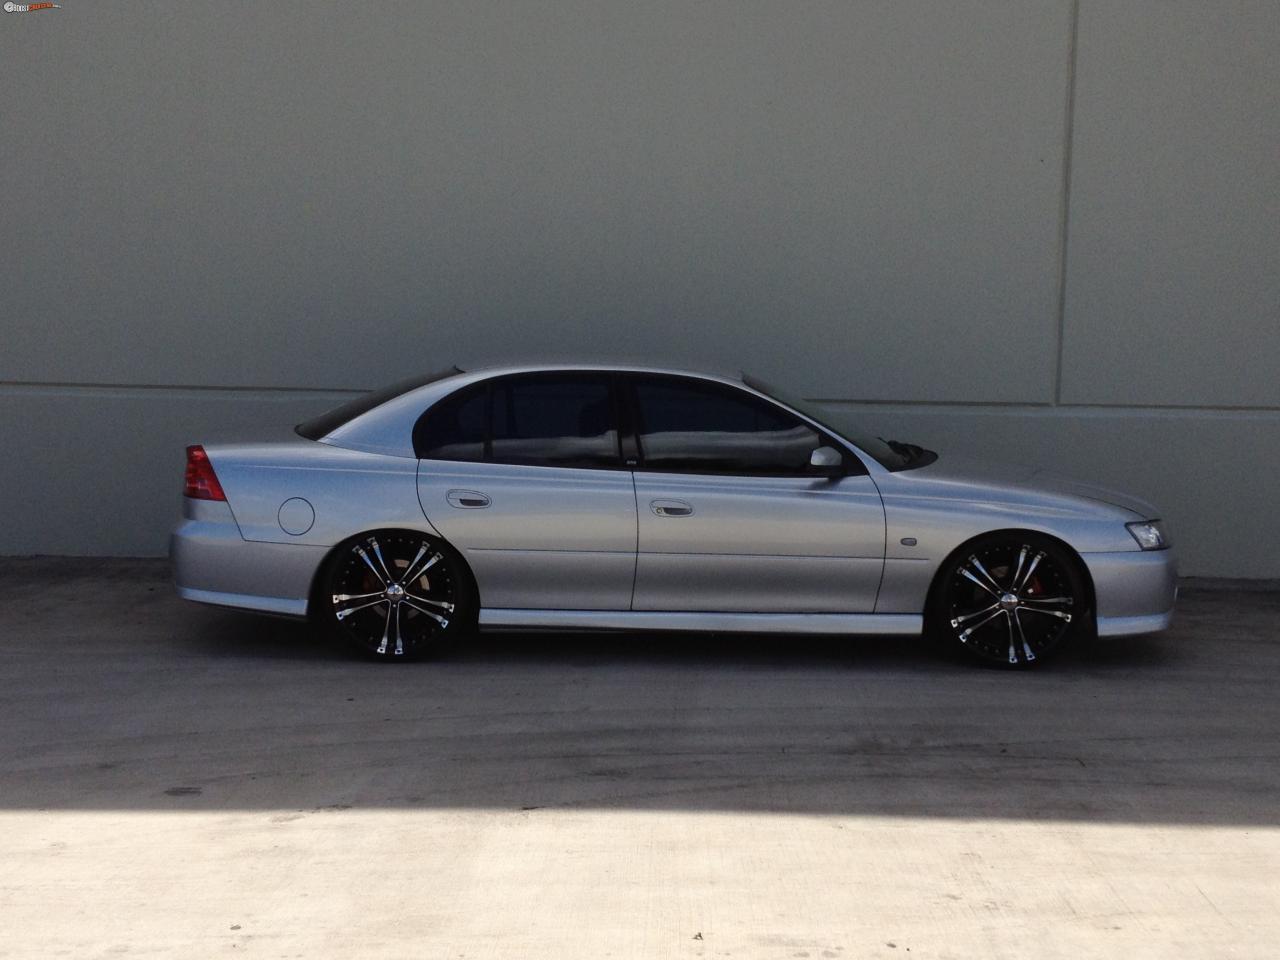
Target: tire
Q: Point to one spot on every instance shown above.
(395, 595)
(1011, 599)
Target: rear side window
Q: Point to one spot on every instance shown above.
(562, 420)
(707, 428)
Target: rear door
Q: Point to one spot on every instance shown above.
(523, 474)
(732, 518)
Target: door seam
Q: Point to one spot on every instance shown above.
(635, 566)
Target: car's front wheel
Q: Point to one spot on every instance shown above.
(1011, 599)
(394, 594)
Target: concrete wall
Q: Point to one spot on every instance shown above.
(1041, 231)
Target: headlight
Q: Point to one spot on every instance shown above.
(1149, 534)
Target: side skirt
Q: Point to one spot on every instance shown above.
(278, 606)
(835, 623)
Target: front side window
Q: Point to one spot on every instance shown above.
(890, 454)
(542, 419)
(701, 427)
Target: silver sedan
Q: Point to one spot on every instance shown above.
(627, 498)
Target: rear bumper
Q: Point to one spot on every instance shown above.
(213, 564)
(1134, 590)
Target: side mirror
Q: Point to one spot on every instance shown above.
(826, 459)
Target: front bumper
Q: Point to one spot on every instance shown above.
(1134, 590)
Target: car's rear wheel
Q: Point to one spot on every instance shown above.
(1011, 599)
(395, 594)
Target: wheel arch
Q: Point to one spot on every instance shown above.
(931, 598)
(315, 596)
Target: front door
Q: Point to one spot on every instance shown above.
(731, 516)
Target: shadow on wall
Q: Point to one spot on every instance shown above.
(127, 698)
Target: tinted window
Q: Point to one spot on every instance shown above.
(558, 420)
(705, 428)
(893, 459)
(455, 428)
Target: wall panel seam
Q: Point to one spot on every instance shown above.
(1064, 211)
(71, 386)
(277, 393)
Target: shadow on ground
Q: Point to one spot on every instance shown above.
(116, 695)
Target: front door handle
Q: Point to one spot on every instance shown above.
(671, 508)
(467, 499)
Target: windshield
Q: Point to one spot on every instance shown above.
(888, 453)
(326, 423)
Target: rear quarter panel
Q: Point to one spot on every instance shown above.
(349, 491)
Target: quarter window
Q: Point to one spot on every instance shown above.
(456, 428)
(706, 428)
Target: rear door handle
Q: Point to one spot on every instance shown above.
(467, 499)
(671, 508)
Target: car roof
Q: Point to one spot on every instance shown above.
(504, 369)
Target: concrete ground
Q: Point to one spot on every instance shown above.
(187, 782)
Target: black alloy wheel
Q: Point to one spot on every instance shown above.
(395, 594)
(1012, 599)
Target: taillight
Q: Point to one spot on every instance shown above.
(202, 483)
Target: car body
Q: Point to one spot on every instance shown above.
(680, 500)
